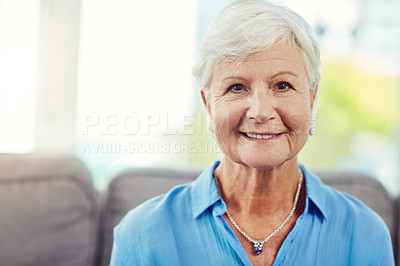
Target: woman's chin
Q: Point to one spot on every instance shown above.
(261, 163)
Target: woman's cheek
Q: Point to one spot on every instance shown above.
(297, 122)
(222, 124)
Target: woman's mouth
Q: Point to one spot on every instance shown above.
(261, 136)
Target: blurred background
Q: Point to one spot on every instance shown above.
(110, 82)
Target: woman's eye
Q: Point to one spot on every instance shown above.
(283, 86)
(236, 88)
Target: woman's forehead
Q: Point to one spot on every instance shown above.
(278, 58)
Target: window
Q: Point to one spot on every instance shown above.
(19, 35)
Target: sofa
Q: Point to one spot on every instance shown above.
(52, 215)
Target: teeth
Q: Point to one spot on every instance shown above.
(258, 136)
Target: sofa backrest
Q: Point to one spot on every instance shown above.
(134, 186)
(48, 211)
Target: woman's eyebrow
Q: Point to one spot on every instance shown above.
(283, 73)
(234, 77)
(272, 77)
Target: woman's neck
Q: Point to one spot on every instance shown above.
(247, 191)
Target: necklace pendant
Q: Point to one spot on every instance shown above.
(258, 248)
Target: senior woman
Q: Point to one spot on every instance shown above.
(258, 70)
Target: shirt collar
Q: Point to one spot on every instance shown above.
(316, 192)
(204, 191)
(205, 194)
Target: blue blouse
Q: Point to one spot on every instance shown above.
(186, 227)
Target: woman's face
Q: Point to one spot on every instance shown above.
(260, 108)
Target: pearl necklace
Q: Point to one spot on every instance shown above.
(258, 244)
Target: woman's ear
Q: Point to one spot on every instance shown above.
(313, 105)
(313, 95)
(208, 107)
(206, 104)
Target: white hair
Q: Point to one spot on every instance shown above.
(245, 27)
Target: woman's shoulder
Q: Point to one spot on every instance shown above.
(342, 204)
(352, 219)
(159, 215)
(357, 225)
(155, 210)
(342, 209)
(336, 204)
(149, 223)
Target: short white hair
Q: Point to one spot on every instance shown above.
(245, 27)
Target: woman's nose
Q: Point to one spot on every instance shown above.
(261, 106)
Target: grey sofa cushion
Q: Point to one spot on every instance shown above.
(132, 187)
(48, 211)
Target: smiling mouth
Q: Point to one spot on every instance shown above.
(260, 136)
